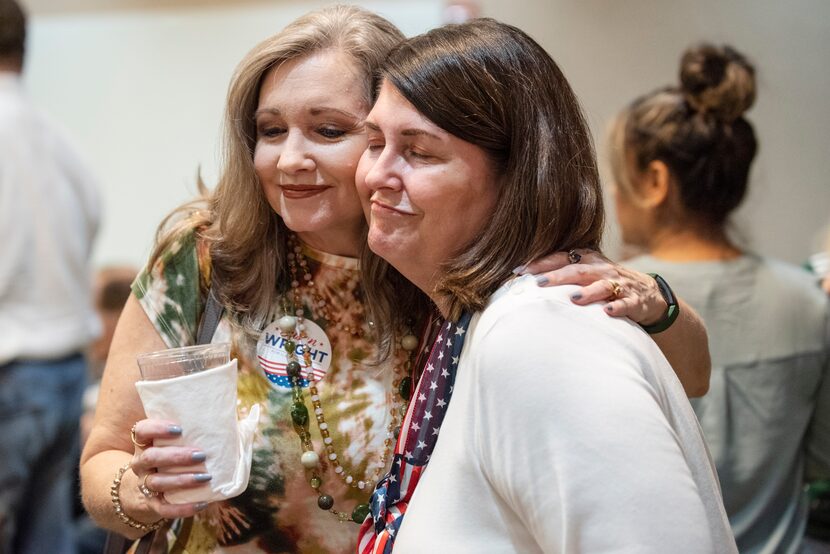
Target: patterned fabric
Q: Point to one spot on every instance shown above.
(278, 512)
(419, 433)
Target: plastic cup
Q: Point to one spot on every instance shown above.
(175, 362)
(176, 385)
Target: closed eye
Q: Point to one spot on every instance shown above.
(420, 155)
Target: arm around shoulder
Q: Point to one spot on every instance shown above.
(686, 346)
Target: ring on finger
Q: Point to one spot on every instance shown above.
(616, 289)
(135, 441)
(145, 489)
(574, 256)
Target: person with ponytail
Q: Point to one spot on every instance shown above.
(681, 158)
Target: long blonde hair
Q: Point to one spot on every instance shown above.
(247, 239)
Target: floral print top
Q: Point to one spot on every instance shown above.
(278, 512)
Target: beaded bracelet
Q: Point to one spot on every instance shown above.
(116, 501)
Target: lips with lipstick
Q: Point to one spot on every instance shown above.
(302, 191)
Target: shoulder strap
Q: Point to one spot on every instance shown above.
(210, 316)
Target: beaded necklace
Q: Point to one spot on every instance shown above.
(292, 325)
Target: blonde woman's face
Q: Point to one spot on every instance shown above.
(310, 136)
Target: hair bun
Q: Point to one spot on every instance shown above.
(717, 80)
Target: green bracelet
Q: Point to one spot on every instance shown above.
(671, 313)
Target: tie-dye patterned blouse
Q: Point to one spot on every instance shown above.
(278, 512)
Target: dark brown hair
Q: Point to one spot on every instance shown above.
(490, 84)
(12, 32)
(697, 129)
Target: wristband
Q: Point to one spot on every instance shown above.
(671, 313)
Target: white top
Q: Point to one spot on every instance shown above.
(48, 217)
(768, 406)
(567, 432)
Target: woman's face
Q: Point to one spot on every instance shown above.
(426, 193)
(310, 136)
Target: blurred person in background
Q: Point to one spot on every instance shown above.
(111, 289)
(681, 158)
(48, 218)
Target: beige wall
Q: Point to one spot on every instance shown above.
(141, 83)
(613, 51)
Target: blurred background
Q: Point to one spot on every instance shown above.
(140, 85)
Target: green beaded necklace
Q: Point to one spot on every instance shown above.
(289, 325)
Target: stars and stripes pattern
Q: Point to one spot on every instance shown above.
(419, 433)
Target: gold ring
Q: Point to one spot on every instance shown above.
(616, 289)
(135, 441)
(145, 490)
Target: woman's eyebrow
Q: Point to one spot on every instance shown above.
(413, 132)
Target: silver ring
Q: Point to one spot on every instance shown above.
(574, 256)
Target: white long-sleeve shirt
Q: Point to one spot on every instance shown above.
(567, 432)
(49, 214)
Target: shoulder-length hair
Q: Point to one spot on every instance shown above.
(490, 84)
(247, 239)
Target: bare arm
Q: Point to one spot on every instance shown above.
(109, 446)
(685, 344)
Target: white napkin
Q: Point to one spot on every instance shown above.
(204, 404)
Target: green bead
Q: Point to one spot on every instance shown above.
(293, 368)
(290, 346)
(405, 388)
(325, 502)
(315, 482)
(360, 512)
(299, 414)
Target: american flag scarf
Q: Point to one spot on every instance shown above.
(419, 433)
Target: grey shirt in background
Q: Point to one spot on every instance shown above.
(769, 399)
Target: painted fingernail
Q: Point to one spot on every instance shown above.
(520, 270)
(199, 506)
(541, 280)
(609, 308)
(174, 430)
(576, 296)
(198, 456)
(202, 477)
